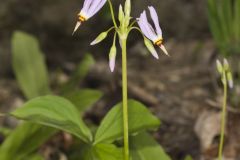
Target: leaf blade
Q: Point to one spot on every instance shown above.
(56, 112)
(29, 65)
(111, 127)
(84, 98)
(144, 147)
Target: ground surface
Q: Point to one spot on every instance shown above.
(182, 90)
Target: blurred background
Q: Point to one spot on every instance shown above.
(183, 90)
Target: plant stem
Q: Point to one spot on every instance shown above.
(112, 13)
(125, 98)
(223, 118)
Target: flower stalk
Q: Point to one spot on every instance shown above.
(223, 118)
(125, 99)
(227, 80)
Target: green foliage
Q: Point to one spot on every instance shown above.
(48, 113)
(111, 126)
(188, 157)
(224, 20)
(54, 112)
(82, 70)
(31, 74)
(108, 152)
(25, 139)
(29, 65)
(99, 152)
(30, 70)
(5, 131)
(36, 157)
(144, 147)
(84, 98)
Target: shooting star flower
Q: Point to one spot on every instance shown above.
(90, 8)
(154, 35)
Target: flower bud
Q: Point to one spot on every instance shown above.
(100, 38)
(219, 67)
(230, 79)
(112, 57)
(120, 14)
(127, 8)
(225, 64)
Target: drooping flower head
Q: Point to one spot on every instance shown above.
(155, 35)
(90, 8)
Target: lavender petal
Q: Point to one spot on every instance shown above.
(101, 4)
(148, 27)
(154, 17)
(93, 7)
(86, 5)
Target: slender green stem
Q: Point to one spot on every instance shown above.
(112, 13)
(125, 99)
(223, 118)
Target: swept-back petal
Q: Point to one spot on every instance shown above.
(86, 5)
(148, 27)
(95, 7)
(143, 29)
(100, 5)
(154, 17)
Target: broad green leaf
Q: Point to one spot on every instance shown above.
(25, 139)
(85, 152)
(111, 127)
(144, 147)
(55, 112)
(81, 71)
(38, 133)
(29, 65)
(98, 152)
(108, 152)
(84, 98)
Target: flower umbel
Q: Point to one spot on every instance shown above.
(154, 35)
(225, 72)
(90, 8)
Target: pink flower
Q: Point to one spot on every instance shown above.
(90, 8)
(155, 35)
